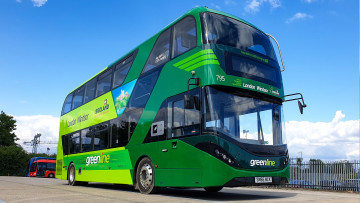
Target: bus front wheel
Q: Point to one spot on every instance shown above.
(145, 176)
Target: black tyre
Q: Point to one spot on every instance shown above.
(213, 189)
(72, 175)
(145, 177)
(51, 175)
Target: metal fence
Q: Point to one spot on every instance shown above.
(331, 175)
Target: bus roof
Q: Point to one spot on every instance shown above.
(193, 11)
(45, 161)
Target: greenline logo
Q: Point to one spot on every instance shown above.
(201, 58)
(103, 158)
(255, 56)
(266, 162)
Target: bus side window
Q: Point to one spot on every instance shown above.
(67, 104)
(160, 52)
(142, 90)
(104, 83)
(78, 97)
(119, 132)
(178, 118)
(75, 143)
(86, 140)
(51, 166)
(138, 99)
(185, 36)
(184, 120)
(90, 90)
(101, 136)
(65, 143)
(121, 70)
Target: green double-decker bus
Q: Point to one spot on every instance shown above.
(197, 105)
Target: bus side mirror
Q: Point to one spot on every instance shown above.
(301, 107)
(299, 99)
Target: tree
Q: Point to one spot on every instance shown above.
(13, 160)
(7, 127)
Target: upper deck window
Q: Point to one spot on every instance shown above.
(78, 98)
(90, 90)
(184, 36)
(227, 31)
(104, 83)
(160, 54)
(121, 70)
(67, 104)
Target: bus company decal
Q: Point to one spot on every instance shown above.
(121, 96)
(266, 162)
(201, 58)
(102, 108)
(79, 119)
(253, 86)
(92, 113)
(103, 158)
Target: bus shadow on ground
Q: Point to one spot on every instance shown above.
(225, 194)
(200, 194)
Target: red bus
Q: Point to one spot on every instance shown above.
(43, 168)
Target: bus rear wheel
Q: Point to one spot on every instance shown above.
(72, 176)
(51, 175)
(145, 176)
(213, 189)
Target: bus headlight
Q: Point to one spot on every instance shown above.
(218, 152)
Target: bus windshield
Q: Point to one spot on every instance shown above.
(244, 119)
(230, 32)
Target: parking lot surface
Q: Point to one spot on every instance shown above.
(24, 189)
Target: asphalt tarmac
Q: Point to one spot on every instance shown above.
(25, 189)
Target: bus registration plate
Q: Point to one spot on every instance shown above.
(263, 179)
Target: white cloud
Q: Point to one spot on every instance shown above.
(298, 16)
(337, 139)
(275, 3)
(29, 126)
(253, 6)
(39, 3)
(309, 1)
(19, 1)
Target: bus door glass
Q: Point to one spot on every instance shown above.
(41, 169)
(33, 167)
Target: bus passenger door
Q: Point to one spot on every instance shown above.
(177, 160)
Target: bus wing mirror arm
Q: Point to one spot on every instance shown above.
(191, 100)
(282, 62)
(302, 104)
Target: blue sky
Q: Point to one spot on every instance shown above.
(49, 47)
